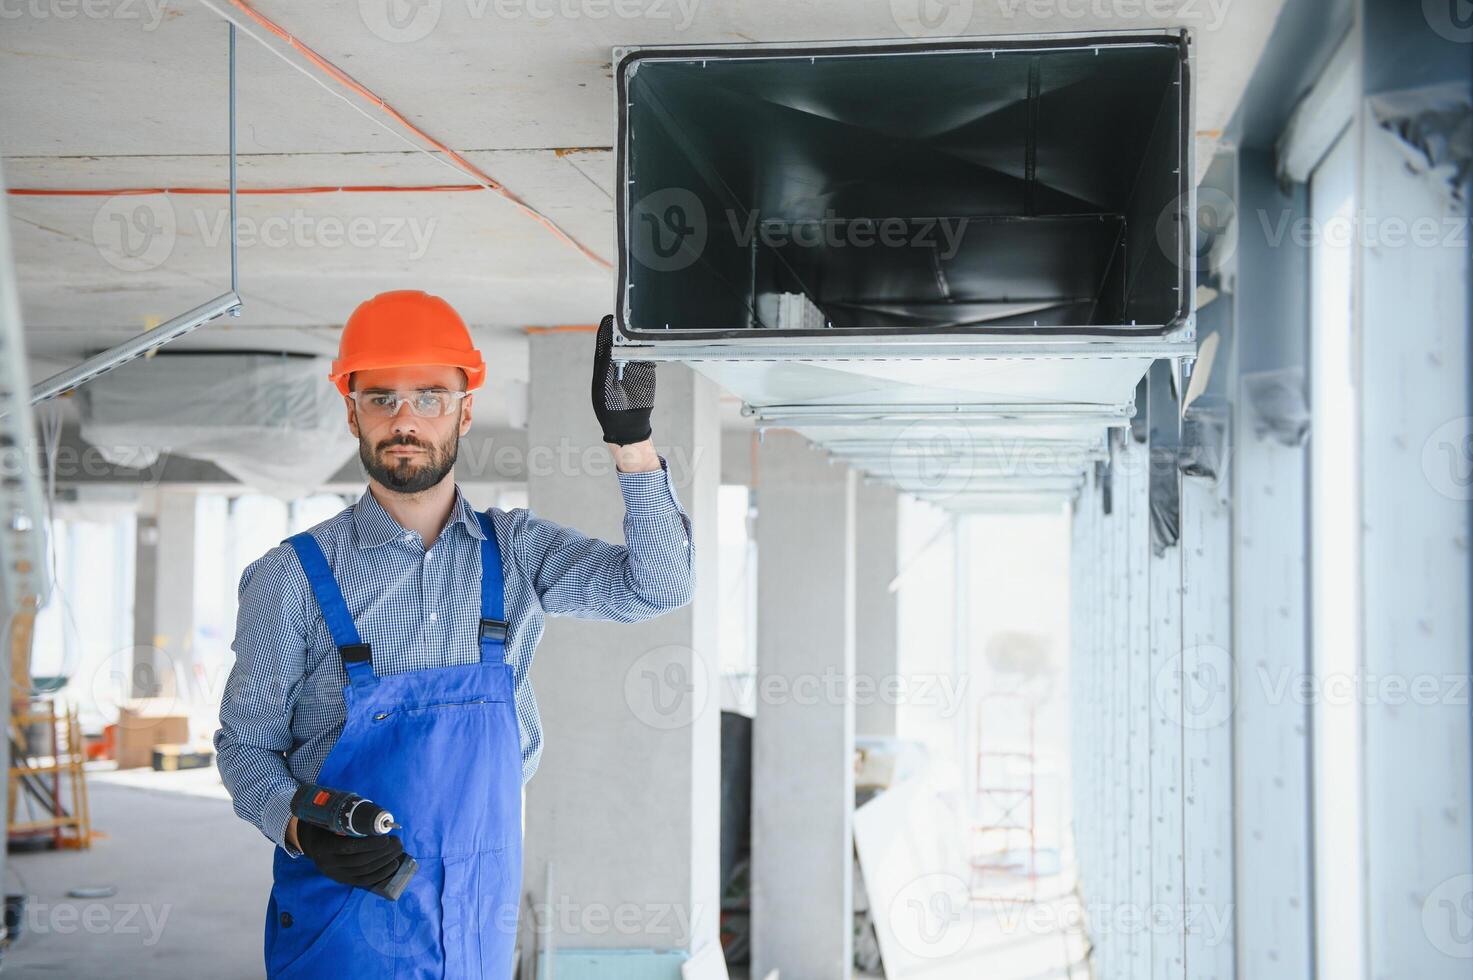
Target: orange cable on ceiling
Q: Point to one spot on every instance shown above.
(347, 81)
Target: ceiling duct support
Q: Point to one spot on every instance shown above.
(228, 302)
(149, 340)
(821, 414)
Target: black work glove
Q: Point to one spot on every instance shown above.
(362, 862)
(623, 405)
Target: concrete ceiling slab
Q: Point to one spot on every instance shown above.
(132, 93)
(307, 259)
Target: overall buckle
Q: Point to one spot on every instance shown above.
(356, 653)
(494, 629)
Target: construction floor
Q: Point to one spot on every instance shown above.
(191, 884)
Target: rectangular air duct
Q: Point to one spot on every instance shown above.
(988, 187)
(892, 246)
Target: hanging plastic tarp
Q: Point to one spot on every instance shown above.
(1165, 449)
(1165, 500)
(272, 421)
(1204, 438)
(1278, 404)
(1139, 428)
(1435, 126)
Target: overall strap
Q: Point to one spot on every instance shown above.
(357, 656)
(493, 597)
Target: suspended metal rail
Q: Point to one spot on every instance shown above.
(184, 323)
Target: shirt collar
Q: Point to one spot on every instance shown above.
(374, 526)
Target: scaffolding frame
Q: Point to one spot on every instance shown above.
(54, 777)
(1006, 845)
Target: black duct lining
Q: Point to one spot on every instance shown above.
(955, 188)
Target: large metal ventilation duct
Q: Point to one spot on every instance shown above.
(982, 242)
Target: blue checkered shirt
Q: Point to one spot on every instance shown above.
(283, 706)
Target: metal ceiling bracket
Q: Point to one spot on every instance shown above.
(814, 415)
(229, 302)
(1180, 342)
(182, 324)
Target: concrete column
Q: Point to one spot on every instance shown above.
(623, 816)
(876, 611)
(803, 735)
(163, 596)
(1412, 351)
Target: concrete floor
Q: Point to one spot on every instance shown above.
(191, 878)
(192, 881)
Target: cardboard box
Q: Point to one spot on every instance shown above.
(144, 723)
(171, 758)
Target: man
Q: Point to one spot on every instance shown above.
(385, 652)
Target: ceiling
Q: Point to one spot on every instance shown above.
(134, 95)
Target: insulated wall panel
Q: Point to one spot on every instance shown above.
(1208, 678)
(1168, 903)
(1270, 631)
(1133, 461)
(1270, 724)
(1416, 472)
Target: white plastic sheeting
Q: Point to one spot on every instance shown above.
(929, 922)
(271, 421)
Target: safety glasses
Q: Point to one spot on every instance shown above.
(425, 403)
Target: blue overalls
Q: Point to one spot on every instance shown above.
(440, 748)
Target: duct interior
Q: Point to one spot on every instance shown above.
(982, 187)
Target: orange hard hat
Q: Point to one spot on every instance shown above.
(406, 328)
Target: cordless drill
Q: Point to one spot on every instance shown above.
(353, 816)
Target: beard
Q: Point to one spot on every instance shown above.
(406, 474)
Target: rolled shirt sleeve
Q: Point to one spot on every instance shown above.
(261, 693)
(586, 578)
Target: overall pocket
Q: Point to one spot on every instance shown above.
(312, 928)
